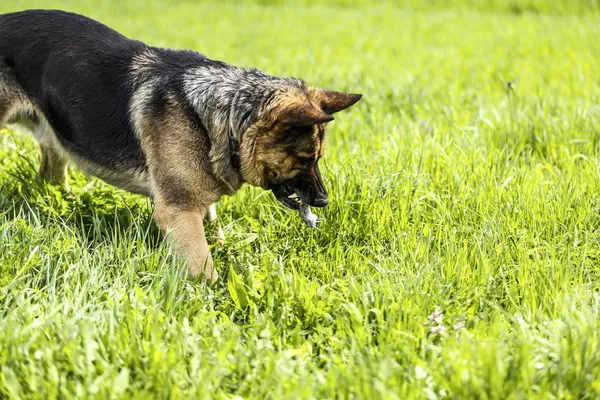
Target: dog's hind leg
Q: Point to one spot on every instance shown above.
(54, 161)
(15, 108)
(53, 167)
(211, 216)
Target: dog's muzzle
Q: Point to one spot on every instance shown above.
(305, 189)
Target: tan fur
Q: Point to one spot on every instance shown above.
(262, 150)
(184, 187)
(186, 232)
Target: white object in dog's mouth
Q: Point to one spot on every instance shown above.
(307, 216)
(304, 211)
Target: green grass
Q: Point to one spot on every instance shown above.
(448, 192)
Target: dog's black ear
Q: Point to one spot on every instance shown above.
(332, 101)
(301, 114)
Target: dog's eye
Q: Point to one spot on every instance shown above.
(306, 160)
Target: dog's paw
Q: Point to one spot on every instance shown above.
(204, 272)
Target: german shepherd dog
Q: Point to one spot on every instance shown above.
(172, 125)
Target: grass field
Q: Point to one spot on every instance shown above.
(452, 192)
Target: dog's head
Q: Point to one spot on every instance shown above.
(282, 149)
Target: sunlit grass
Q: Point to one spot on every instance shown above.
(466, 181)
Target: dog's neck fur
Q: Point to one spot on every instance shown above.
(228, 100)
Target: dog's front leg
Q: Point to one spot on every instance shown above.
(185, 230)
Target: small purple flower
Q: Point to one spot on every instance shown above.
(439, 329)
(436, 316)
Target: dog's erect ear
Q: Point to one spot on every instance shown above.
(331, 101)
(301, 114)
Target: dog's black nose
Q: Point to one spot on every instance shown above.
(320, 201)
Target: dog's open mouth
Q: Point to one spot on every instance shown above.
(288, 196)
(291, 201)
(291, 198)
(300, 193)
(294, 202)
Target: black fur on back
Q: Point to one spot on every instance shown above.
(78, 72)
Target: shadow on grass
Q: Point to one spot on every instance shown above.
(91, 208)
